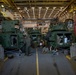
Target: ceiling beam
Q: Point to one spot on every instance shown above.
(31, 19)
(37, 1)
(42, 3)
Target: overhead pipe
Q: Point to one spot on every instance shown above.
(66, 7)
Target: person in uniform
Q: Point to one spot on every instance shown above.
(28, 45)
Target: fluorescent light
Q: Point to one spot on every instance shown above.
(33, 8)
(18, 8)
(46, 12)
(54, 7)
(40, 11)
(2, 6)
(47, 8)
(27, 11)
(58, 11)
(56, 14)
(25, 8)
(62, 11)
(52, 11)
(73, 12)
(40, 7)
(61, 8)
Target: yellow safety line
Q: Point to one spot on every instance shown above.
(3, 63)
(68, 57)
(37, 64)
(5, 59)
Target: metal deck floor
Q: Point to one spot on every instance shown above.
(48, 64)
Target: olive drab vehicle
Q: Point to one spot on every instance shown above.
(59, 36)
(11, 36)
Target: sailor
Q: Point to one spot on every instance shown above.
(28, 45)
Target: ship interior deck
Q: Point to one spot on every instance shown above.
(37, 64)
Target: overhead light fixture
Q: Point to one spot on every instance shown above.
(56, 14)
(47, 8)
(58, 11)
(61, 8)
(73, 12)
(40, 11)
(27, 11)
(40, 7)
(52, 11)
(25, 8)
(33, 8)
(54, 8)
(2, 6)
(46, 12)
(18, 8)
(28, 14)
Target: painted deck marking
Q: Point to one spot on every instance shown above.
(37, 64)
(5, 59)
(68, 57)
